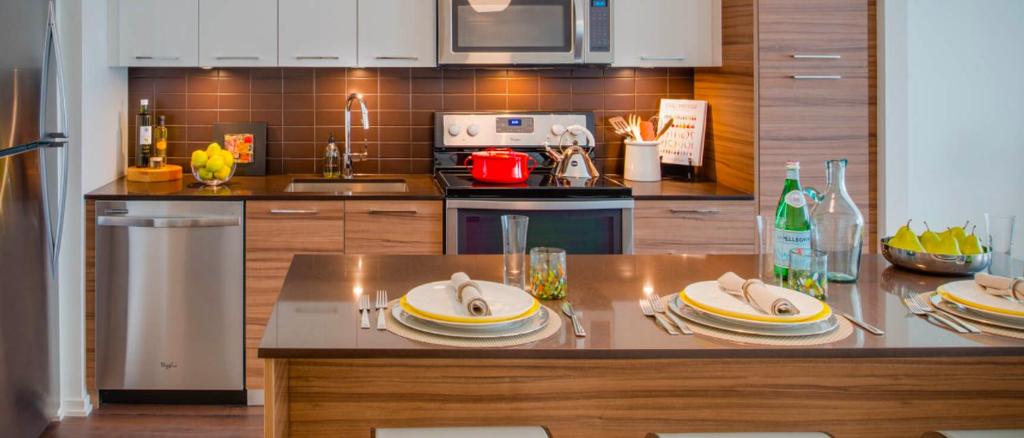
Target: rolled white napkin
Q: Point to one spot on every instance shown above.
(759, 296)
(1001, 286)
(468, 293)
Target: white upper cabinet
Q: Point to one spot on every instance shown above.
(667, 33)
(397, 33)
(317, 33)
(237, 33)
(162, 33)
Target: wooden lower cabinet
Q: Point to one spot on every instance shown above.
(388, 227)
(274, 232)
(694, 227)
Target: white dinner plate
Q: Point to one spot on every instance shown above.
(708, 297)
(437, 302)
(715, 321)
(969, 294)
(536, 322)
(968, 313)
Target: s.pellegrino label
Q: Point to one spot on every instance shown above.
(792, 221)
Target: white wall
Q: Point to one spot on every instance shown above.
(96, 98)
(953, 139)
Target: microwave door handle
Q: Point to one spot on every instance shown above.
(579, 23)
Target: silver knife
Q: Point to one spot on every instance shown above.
(867, 327)
(679, 322)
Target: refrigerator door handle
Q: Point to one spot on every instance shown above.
(51, 47)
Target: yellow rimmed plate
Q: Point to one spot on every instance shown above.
(969, 294)
(437, 302)
(706, 296)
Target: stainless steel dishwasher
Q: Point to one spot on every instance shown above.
(169, 302)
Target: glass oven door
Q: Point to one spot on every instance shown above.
(579, 227)
(511, 31)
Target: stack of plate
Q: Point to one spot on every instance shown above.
(706, 304)
(968, 300)
(433, 308)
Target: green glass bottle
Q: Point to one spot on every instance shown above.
(792, 221)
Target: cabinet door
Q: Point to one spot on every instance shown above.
(694, 227)
(389, 227)
(274, 232)
(317, 33)
(813, 91)
(161, 33)
(397, 33)
(237, 33)
(667, 33)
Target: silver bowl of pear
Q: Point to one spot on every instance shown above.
(950, 252)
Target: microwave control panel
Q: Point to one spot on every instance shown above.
(600, 26)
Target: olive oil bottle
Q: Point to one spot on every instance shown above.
(160, 141)
(144, 142)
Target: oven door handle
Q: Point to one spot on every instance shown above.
(528, 205)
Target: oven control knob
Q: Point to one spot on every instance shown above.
(558, 130)
(454, 130)
(473, 130)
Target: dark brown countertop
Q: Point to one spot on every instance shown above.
(669, 189)
(421, 187)
(316, 315)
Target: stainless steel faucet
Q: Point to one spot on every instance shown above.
(348, 157)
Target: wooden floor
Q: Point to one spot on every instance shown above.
(163, 421)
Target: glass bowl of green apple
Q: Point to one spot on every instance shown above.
(213, 166)
(953, 252)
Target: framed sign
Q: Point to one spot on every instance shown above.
(684, 141)
(247, 142)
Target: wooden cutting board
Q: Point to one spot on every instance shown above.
(169, 172)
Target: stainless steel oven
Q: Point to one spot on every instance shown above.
(500, 32)
(580, 226)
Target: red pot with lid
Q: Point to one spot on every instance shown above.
(501, 166)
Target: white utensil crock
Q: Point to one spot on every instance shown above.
(642, 161)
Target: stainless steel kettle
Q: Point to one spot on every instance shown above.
(574, 161)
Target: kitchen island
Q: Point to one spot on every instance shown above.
(327, 377)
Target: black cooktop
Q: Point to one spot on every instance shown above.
(538, 185)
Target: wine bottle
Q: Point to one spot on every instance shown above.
(144, 143)
(792, 221)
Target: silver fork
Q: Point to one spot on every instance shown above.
(645, 307)
(927, 307)
(916, 309)
(382, 305)
(365, 308)
(659, 307)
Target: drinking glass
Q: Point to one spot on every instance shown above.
(1000, 233)
(548, 278)
(513, 239)
(765, 250)
(808, 272)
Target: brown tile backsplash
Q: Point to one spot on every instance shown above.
(304, 106)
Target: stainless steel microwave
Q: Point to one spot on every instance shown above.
(525, 32)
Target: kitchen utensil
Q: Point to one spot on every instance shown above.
(382, 305)
(501, 166)
(647, 132)
(645, 307)
(577, 327)
(702, 317)
(808, 272)
(436, 301)
(924, 305)
(643, 162)
(938, 264)
(664, 130)
(963, 312)
(548, 279)
(620, 125)
(658, 307)
(513, 233)
(928, 312)
(364, 311)
(575, 161)
(634, 127)
(838, 224)
(536, 322)
(867, 327)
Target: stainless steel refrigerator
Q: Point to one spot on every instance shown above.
(33, 162)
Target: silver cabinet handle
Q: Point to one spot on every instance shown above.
(167, 222)
(294, 212)
(695, 210)
(662, 58)
(318, 58)
(397, 58)
(817, 77)
(812, 56)
(394, 212)
(579, 30)
(157, 58)
(237, 58)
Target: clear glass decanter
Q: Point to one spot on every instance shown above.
(837, 225)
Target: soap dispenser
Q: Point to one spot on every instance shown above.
(332, 159)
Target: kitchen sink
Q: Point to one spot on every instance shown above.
(325, 185)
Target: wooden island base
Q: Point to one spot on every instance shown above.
(620, 398)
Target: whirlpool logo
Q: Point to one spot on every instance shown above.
(168, 365)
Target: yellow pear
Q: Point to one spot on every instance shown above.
(971, 245)
(906, 239)
(930, 239)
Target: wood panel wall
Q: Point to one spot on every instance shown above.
(90, 301)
